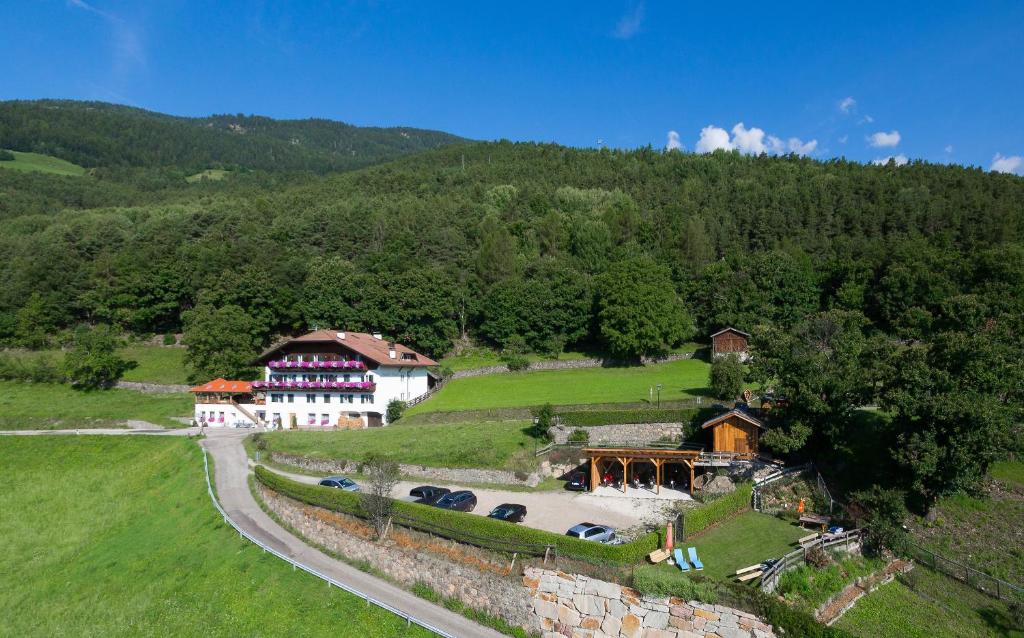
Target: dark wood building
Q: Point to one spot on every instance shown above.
(736, 432)
(730, 341)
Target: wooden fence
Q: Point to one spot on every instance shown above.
(985, 583)
(770, 578)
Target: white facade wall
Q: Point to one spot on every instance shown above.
(221, 414)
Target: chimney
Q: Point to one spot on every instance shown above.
(341, 335)
(391, 349)
(378, 336)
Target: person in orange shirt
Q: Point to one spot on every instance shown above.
(800, 507)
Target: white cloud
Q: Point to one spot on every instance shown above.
(900, 160)
(129, 51)
(629, 24)
(713, 138)
(843, 139)
(1007, 164)
(949, 149)
(847, 104)
(673, 143)
(750, 141)
(867, 119)
(882, 139)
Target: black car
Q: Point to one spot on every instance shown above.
(462, 501)
(428, 494)
(510, 512)
(577, 481)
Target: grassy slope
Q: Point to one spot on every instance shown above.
(499, 445)
(936, 607)
(156, 364)
(42, 164)
(27, 406)
(1011, 472)
(485, 357)
(133, 547)
(681, 380)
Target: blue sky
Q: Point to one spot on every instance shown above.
(940, 81)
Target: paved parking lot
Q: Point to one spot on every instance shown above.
(557, 511)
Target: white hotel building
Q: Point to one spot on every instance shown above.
(322, 379)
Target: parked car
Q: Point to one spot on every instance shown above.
(577, 481)
(462, 501)
(592, 532)
(510, 512)
(340, 482)
(428, 494)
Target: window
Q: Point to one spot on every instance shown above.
(310, 398)
(325, 419)
(276, 398)
(312, 418)
(369, 378)
(351, 398)
(327, 398)
(261, 415)
(347, 377)
(277, 418)
(291, 398)
(408, 356)
(221, 417)
(363, 398)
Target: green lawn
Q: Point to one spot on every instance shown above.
(212, 174)
(486, 357)
(1008, 472)
(680, 380)
(29, 406)
(934, 606)
(42, 164)
(156, 364)
(116, 536)
(495, 445)
(742, 541)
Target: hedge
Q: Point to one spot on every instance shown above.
(587, 418)
(699, 519)
(474, 530)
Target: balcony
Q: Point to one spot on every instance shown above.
(349, 386)
(316, 365)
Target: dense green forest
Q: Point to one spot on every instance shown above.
(895, 286)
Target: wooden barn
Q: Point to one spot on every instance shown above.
(730, 341)
(736, 432)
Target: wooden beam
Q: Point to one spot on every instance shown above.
(691, 478)
(593, 472)
(657, 476)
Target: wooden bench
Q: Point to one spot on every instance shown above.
(817, 520)
(751, 576)
(804, 540)
(749, 573)
(658, 555)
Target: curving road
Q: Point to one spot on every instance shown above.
(231, 474)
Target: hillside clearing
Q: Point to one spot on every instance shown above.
(683, 379)
(159, 561)
(35, 162)
(51, 406)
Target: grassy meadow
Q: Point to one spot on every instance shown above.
(116, 536)
(42, 164)
(494, 445)
(485, 357)
(53, 406)
(156, 364)
(680, 380)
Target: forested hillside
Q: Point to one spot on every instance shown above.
(97, 134)
(521, 246)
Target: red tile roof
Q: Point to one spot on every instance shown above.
(221, 385)
(367, 345)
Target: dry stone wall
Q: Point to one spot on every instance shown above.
(453, 475)
(627, 433)
(576, 606)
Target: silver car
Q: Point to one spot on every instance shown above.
(592, 532)
(340, 482)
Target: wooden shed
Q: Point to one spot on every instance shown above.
(730, 341)
(736, 432)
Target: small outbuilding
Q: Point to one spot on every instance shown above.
(735, 432)
(730, 341)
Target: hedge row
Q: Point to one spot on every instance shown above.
(474, 530)
(586, 418)
(699, 519)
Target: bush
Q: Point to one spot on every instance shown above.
(886, 512)
(395, 410)
(588, 418)
(727, 377)
(170, 339)
(699, 519)
(579, 436)
(515, 362)
(34, 368)
(93, 361)
(478, 531)
(6, 156)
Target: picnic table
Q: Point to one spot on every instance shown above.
(819, 520)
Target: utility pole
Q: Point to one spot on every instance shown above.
(659, 394)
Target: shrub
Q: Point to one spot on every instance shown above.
(93, 361)
(587, 418)
(36, 368)
(479, 531)
(6, 156)
(701, 518)
(656, 580)
(515, 362)
(170, 339)
(886, 511)
(579, 436)
(395, 410)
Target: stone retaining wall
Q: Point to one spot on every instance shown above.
(151, 388)
(467, 574)
(576, 606)
(571, 364)
(626, 433)
(453, 475)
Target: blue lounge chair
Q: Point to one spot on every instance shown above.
(693, 558)
(678, 555)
